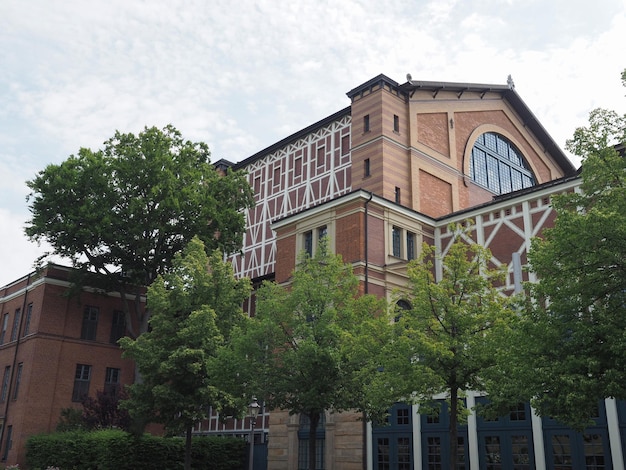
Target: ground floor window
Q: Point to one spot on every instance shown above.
(304, 434)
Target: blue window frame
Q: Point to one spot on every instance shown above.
(506, 442)
(497, 165)
(393, 443)
(436, 439)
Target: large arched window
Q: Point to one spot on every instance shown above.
(497, 165)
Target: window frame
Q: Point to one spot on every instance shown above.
(81, 384)
(497, 165)
(89, 329)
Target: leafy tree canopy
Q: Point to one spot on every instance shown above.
(299, 351)
(572, 341)
(195, 308)
(132, 205)
(452, 333)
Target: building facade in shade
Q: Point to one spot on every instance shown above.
(381, 177)
(55, 349)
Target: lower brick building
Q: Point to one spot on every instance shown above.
(55, 348)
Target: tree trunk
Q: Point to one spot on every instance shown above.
(453, 432)
(314, 419)
(188, 448)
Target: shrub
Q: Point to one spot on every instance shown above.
(118, 450)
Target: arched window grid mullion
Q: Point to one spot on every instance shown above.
(497, 165)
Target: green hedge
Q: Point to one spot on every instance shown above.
(118, 450)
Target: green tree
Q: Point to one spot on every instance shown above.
(298, 353)
(450, 334)
(195, 308)
(124, 211)
(572, 341)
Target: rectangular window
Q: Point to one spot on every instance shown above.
(322, 232)
(257, 185)
(29, 312)
(366, 123)
(90, 323)
(5, 383)
(366, 167)
(410, 246)
(321, 156)
(8, 443)
(297, 166)
(345, 144)
(561, 450)
(433, 453)
(112, 381)
(118, 326)
(308, 243)
(403, 416)
(397, 195)
(16, 324)
(493, 451)
(396, 123)
(81, 382)
(5, 324)
(276, 178)
(395, 237)
(18, 380)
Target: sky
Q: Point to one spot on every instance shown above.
(243, 75)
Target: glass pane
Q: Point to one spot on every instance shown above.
(520, 452)
(404, 453)
(382, 454)
(493, 453)
(561, 451)
(433, 453)
(492, 174)
(594, 452)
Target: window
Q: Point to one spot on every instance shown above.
(5, 383)
(496, 164)
(396, 123)
(366, 167)
(304, 434)
(118, 327)
(308, 242)
(257, 185)
(410, 245)
(5, 324)
(29, 312)
(16, 324)
(297, 166)
(366, 123)
(90, 323)
(321, 156)
(397, 195)
(345, 144)
(276, 178)
(18, 380)
(111, 381)
(81, 382)
(312, 238)
(8, 444)
(322, 232)
(396, 237)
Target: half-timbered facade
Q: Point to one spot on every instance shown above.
(380, 177)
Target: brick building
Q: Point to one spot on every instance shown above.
(54, 350)
(380, 177)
